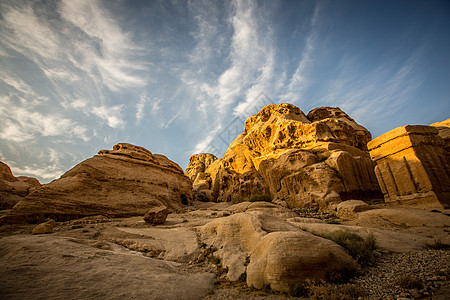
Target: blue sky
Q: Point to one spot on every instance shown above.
(180, 77)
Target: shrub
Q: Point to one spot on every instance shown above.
(265, 198)
(408, 281)
(361, 249)
(343, 292)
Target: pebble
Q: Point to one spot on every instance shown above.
(380, 281)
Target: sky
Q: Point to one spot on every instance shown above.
(181, 77)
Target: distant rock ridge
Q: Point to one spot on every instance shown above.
(309, 160)
(126, 181)
(13, 189)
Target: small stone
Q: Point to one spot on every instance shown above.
(415, 293)
(43, 228)
(156, 215)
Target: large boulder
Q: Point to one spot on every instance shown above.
(305, 160)
(13, 189)
(269, 251)
(413, 167)
(285, 260)
(125, 181)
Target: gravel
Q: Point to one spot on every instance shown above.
(407, 275)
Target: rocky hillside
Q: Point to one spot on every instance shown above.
(312, 160)
(125, 181)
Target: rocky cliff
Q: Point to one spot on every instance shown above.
(125, 181)
(305, 160)
(13, 189)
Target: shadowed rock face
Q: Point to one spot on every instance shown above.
(125, 181)
(305, 160)
(13, 189)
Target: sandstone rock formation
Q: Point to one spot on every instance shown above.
(444, 132)
(284, 260)
(156, 215)
(309, 160)
(125, 181)
(413, 168)
(349, 209)
(272, 252)
(13, 189)
(198, 163)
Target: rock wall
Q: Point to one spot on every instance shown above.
(413, 168)
(13, 189)
(304, 160)
(125, 181)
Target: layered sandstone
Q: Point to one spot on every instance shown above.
(270, 252)
(413, 168)
(13, 189)
(444, 132)
(304, 160)
(126, 181)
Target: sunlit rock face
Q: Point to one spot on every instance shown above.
(125, 181)
(413, 166)
(309, 160)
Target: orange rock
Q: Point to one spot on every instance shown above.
(413, 168)
(304, 160)
(127, 181)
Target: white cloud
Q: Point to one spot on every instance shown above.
(113, 59)
(299, 80)
(140, 108)
(28, 35)
(112, 115)
(24, 123)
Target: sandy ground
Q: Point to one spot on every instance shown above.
(100, 258)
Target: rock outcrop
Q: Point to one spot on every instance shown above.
(272, 252)
(13, 189)
(284, 260)
(444, 132)
(309, 160)
(125, 181)
(198, 163)
(413, 168)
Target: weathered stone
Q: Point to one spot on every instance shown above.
(249, 237)
(284, 260)
(348, 209)
(444, 132)
(156, 215)
(199, 163)
(124, 182)
(315, 160)
(412, 168)
(43, 228)
(13, 189)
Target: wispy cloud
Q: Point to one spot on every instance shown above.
(110, 53)
(299, 80)
(380, 92)
(21, 124)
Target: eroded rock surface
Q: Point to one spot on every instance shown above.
(272, 252)
(309, 160)
(13, 189)
(284, 260)
(413, 168)
(125, 181)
